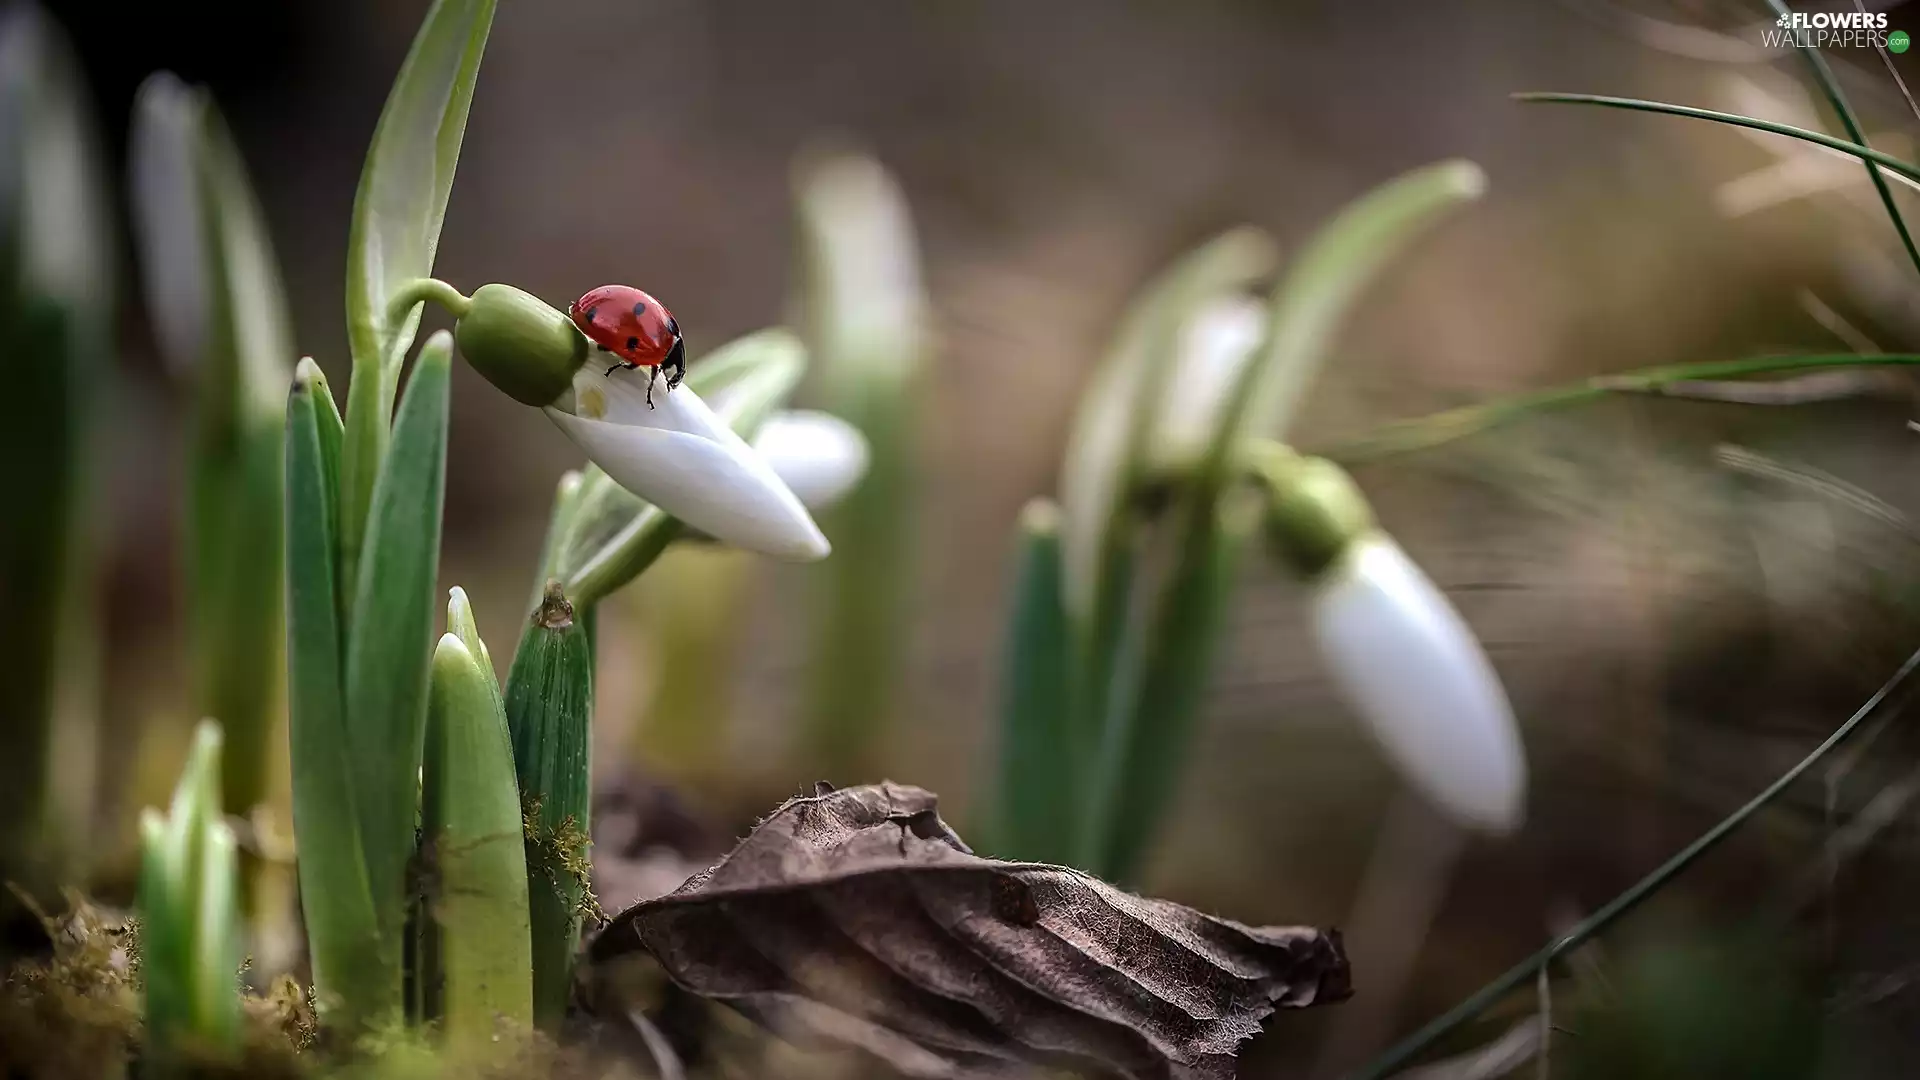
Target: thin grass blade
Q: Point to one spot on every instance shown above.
(1864, 153)
(1830, 86)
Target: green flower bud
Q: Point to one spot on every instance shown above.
(1314, 510)
(522, 345)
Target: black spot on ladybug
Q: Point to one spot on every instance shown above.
(590, 312)
(633, 343)
(640, 310)
(673, 327)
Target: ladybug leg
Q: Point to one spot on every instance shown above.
(652, 374)
(676, 363)
(618, 366)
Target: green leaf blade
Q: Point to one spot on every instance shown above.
(57, 314)
(397, 214)
(473, 828)
(390, 635)
(1161, 679)
(1104, 450)
(1037, 794)
(188, 900)
(354, 976)
(1108, 452)
(216, 959)
(549, 704)
(205, 243)
(868, 328)
(1322, 285)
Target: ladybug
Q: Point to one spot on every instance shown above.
(633, 326)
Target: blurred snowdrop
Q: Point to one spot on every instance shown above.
(1402, 657)
(1410, 667)
(1215, 346)
(682, 458)
(819, 456)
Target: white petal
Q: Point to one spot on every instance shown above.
(1410, 667)
(818, 455)
(682, 458)
(1214, 348)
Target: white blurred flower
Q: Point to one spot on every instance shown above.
(1214, 348)
(682, 458)
(1411, 668)
(817, 455)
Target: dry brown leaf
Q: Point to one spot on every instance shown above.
(858, 918)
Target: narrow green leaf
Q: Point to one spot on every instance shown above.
(475, 848)
(867, 327)
(611, 536)
(216, 957)
(1037, 792)
(196, 797)
(397, 213)
(1322, 285)
(390, 635)
(1161, 676)
(188, 905)
(165, 939)
(1864, 153)
(549, 713)
(1830, 85)
(205, 243)
(355, 978)
(566, 497)
(1437, 429)
(57, 314)
(1107, 453)
(1104, 450)
(460, 623)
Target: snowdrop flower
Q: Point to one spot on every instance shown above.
(682, 458)
(1403, 658)
(674, 453)
(1213, 350)
(820, 457)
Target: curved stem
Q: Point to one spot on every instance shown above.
(421, 290)
(1443, 427)
(1823, 74)
(1518, 975)
(1864, 153)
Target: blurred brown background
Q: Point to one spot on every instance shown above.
(1672, 633)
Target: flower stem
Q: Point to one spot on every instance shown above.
(1864, 153)
(422, 290)
(1444, 427)
(1527, 969)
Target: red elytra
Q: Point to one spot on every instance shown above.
(635, 327)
